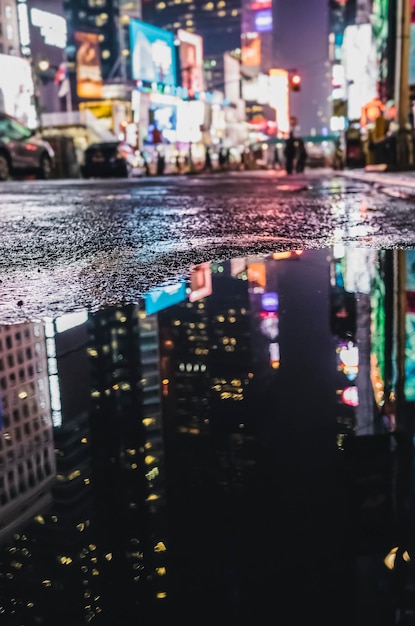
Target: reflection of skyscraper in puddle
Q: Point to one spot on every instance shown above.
(49, 553)
(206, 356)
(128, 459)
(231, 358)
(27, 459)
(206, 360)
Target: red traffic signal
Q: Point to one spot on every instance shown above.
(295, 82)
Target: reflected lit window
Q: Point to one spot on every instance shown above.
(101, 19)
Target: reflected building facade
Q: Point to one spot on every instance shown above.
(27, 459)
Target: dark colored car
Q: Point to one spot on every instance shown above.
(111, 158)
(22, 152)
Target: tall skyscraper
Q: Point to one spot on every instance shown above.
(219, 23)
(302, 44)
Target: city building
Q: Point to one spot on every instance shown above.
(27, 457)
(9, 32)
(219, 24)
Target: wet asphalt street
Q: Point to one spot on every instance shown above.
(67, 245)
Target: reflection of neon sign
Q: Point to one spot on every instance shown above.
(164, 297)
(269, 301)
(274, 355)
(256, 6)
(200, 282)
(263, 21)
(350, 396)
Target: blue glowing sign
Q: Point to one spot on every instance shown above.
(263, 21)
(152, 54)
(163, 297)
(269, 301)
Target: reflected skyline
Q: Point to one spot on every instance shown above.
(230, 442)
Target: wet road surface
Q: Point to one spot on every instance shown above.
(73, 244)
(227, 450)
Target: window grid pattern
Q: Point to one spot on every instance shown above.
(27, 459)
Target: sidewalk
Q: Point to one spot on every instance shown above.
(404, 179)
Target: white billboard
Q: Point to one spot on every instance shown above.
(16, 89)
(279, 98)
(190, 119)
(360, 67)
(232, 78)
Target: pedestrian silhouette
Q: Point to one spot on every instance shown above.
(222, 158)
(208, 160)
(161, 163)
(301, 156)
(289, 153)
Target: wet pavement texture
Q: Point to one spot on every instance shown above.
(227, 450)
(71, 244)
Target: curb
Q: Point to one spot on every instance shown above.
(392, 179)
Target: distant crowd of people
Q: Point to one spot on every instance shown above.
(294, 157)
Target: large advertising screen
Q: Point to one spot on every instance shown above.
(360, 67)
(16, 89)
(152, 54)
(190, 118)
(251, 51)
(88, 65)
(191, 60)
(47, 30)
(232, 72)
(279, 98)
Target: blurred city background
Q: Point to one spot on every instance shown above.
(174, 78)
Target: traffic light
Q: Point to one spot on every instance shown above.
(295, 82)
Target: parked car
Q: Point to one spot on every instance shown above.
(22, 151)
(112, 158)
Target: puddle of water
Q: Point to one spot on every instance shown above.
(234, 441)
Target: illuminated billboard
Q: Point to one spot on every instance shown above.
(263, 21)
(163, 297)
(359, 60)
(152, 54)
(232, 78)
(279, 98)
(251, 51)
(16, 89)
(88, 65)
(190, 118)
(191, 61)
(51, 28)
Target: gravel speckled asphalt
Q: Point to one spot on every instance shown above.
(73, 244)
